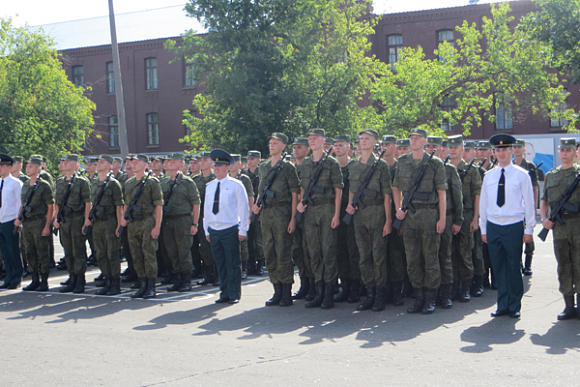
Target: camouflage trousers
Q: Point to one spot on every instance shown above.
(36, 246)
(567, 251)
(143, 247)
(445, 252)
(347, 255)
(372, 245)
(300, 254)
(321, 242)
(277, 244)
(177, 240)
(107, 246)
(422, 248)
(74, 243)
(463, 269)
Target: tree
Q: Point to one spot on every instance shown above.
(277, 65)
(510, 72)
(41, 111)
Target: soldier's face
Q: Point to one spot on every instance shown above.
(367, 141)
(482, 154)
(417, 142)
(253, 162)
(116, 165)
(341, 148)
(431, 148)
(16, 167)
(567, 155)
(175, 165)
(300, 151)
(32, 169)
(139, 166)
(194, 165)
(467, 154)
(103, 166)
(205, 163)
(455, 152)
(276, 146)
(129, 166)
(315, 142)
(519, 150)
(156, 165)
(390, 149)
(503, 155)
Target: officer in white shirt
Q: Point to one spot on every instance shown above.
(226, 223)
(507, 219)
(10, 190)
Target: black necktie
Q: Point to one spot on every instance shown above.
(1, 186)
(501, 189)
(216, 200)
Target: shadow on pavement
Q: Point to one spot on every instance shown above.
(499, 330)
(562, 336)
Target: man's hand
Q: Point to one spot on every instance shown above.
(242, 238)
(256, 210)
(350, 209)
(401, 214)
(473, 226)
(207, 238)
(291, 226)
(124, 222)
(46, 231)
(528, 238)
(155, 232)
(301, 207)
(387, 228)
(441, 226)
(193, 230)
(455, 229)
(17, 222)
(484, 238)
(546, 224)
(335, 222)
(56, 224)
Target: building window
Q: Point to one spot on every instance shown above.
(114, 131)
(110, 78)
(445, 36)
(189, 74)
(447, 104)
(151, 73)
(153, 128)
(395, 46)
(503, 113)
(78, 76)
(560, 122)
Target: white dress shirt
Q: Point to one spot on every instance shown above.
(10, 198)
(519, 199)
(233, 206)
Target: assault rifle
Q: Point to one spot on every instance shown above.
(63, 208)
(96, 205)
(26, 207)
(128, 216)
(560, 206)
(493, 164)
(406, 204)
(464, 173)
(483, 162)
(362, 189)
(312, 184)
(446, 159)
(261, 202)
(167, 197)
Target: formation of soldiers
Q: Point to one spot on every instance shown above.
(374, 219)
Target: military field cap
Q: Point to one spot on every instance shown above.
(280, 136)
(567, 143)
(329, 141)
(221, 157)
(434, 140)
(244, 159)
(317, 132)
(483, 144)
(444, 143)
(194, 156)
(130, 156)
(389, 140)
(301, 141)
(418, 132)
(502, 140)
(175, 156)
(35, 160)
(39, 157)
(18, 159)
(5, 159)
(288, 157)
(455, 140)
(87, 160)
(255, 154)
(520, 142)
(372, 132)
(342, 137)
(142, 157)
(118, 160)
(71, 157)
(158, 158)
(236, 157)
(205, 155)
(107, 158)
(469, 145)
(404, 142)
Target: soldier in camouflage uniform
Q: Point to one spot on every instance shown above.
(348, 257)
(422, 229)
(201, 181)
(180, 220)
(235, 171)
(278, 221)
(403, 147)
(321, 219)
(372, 220)
(75, 210)
(145, 228)
(36, 225)
(256, 262)
(129, 274)
(108, 214)
(566, 236)
(194, 170)
(453, 222)
(44, 175)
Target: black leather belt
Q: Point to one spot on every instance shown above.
(34, 217)
(322, 201)
(424, 206)
(139, 217)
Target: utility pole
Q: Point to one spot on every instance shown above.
(123, 141)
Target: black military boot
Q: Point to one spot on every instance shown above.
(465, 293)
(477, 286)
(370, 300)
(103, 291)
(64, 283)
(115, 287)
(197, 270)
(528, 265)
(455, 290)
(244, 270)
(177, 279)
(419, 295)
(317, 301)
(344, 292)
(407, 287)
(304, 288)
(354, 296)
(380, 299)
(131, 275)
(286, 299)
(209, 276)
(396, 293)
(150, 288)
(80, 285)
(275, 300)
(99, 280)
(71, 284)
(43, 285)
(328, 301)
(569, 312)
(142, 282)
(430, 295)
(169, 278)
(34, 284)
(444, 299)
(260, 267)
(311, 291)
(185, 283)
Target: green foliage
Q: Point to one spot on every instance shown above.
(41, 111)
(510, 69)
(277, 65)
